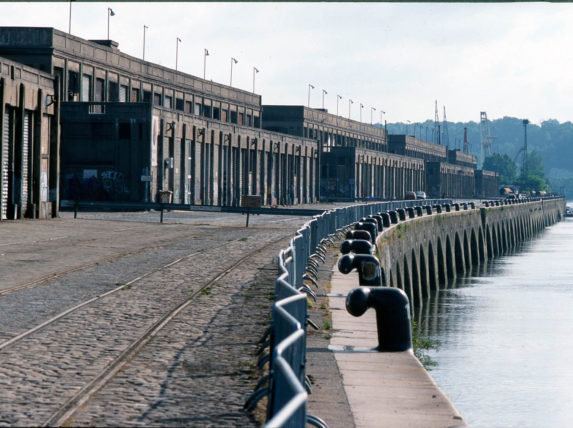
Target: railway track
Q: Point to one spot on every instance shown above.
(65, 409)
(83, 266)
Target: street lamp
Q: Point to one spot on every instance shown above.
(109, 13)
(177, 52)
(70, 20)
(323, 94)
(338, 97)
(309, 88)
(233, 61)
(255, 70)
(205, 55)
(350, 102)
(372, 109)
(524, 166)
(145, 27)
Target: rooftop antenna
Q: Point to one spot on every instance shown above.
(436, 125)
(466, 144)
(445, 129)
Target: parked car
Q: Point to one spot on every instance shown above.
(421, 195)
(410, 195)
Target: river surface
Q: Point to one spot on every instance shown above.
(506, 336)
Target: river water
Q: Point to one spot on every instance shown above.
(505, 357)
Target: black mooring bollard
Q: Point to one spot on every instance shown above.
(379, 220)
(401, 214)
(356, 246)
(358, 234)
(369, 227)
(385, 219)
(393, 216)
(392, 315)
(367, 266)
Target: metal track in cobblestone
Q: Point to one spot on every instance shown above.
(54, 275)
(81, 397)
(61, 315)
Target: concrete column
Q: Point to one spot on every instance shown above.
(184, 166)
(2, 113)
(54, 172)
(195, 168)
(19, 156)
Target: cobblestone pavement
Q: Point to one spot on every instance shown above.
(197, 371)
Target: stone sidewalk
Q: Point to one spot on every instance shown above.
(357, 386)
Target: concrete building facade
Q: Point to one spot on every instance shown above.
(29, 149)
(200, 140)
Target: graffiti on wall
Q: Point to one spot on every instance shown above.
(94, 185)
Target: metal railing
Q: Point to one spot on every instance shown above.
(288, 386)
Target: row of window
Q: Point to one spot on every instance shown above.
(95, 91)
(331, 140)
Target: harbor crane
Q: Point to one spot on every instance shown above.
(485, 137)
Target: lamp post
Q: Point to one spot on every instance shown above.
(350, 102)
(309, 88)
(233, 61)
(177, 52)
(70, 19)
(255, 70)
(338, 97)
(205, 55)
(524, 166)
(323, 94)
(110, 12)
(145, 27)
(372, 110)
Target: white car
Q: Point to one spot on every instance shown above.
(420, 195)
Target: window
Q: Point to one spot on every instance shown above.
(134, 95)
(216, 113)
(86, 87)
(156, 99)
(59, 73)
(257, 122)
(167, 101)
(113, 92)
(73, 86)
(197, 109)
(123, 93)
(146, 96)
(207, 111)
(241, 118)
(188, 107)
(98, 96)
(225, 117)
(179, 104)
(233, 117)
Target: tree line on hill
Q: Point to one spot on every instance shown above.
(549, 163)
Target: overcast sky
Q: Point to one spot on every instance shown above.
(508, 59)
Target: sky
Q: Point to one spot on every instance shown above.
(507, 59)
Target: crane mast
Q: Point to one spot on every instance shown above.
(486, 138)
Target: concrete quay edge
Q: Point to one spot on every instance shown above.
(390, 389)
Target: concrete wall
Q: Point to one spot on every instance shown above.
(425, 253)
(132, 151)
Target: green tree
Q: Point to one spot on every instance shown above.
(503, 165)
(534, 164)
